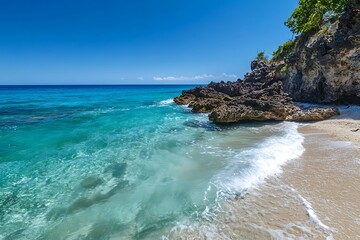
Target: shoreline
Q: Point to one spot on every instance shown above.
(328, 175)
(321, 187)
(315, 197)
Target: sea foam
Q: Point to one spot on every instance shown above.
(166, 102)
(265, 160)
(310, 211)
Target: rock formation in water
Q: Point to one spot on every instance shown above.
(249, 100)
(323, 67)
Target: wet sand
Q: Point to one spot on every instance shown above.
(325, 181)
(316, 197)
(328, 176)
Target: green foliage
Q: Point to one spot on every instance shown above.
(283, 51)
(312, 13)
(285, 68)
(261, 57)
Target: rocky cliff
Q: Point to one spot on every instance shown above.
(322, 67)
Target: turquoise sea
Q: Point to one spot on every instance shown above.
(123, 162)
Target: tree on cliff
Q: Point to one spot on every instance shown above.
(311, 14)
(261, 57)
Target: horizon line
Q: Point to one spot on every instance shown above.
(120, 84)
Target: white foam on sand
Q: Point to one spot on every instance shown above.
(247, 169)
(262, 161)
(311, 213)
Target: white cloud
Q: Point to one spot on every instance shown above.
(184, 78)
(169, 78)
(225, 75)
(203, 76)
(141, 78)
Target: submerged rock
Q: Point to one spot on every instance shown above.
(91, 182)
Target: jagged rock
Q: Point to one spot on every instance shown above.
(184, 99)
(289, 113)
(249, 101)
(313, 114)
(325, 66)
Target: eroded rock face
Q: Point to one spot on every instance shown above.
(325, 67)
(260, 97)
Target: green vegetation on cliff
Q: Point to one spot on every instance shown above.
(261, 57)
(283, 51)
(311, 14)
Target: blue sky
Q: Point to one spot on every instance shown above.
(137, 41)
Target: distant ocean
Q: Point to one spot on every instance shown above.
(123, 162)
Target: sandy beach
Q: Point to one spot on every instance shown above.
(328, 177)
(321, 187)
(316, 196)
(345, 127)
(328, 173)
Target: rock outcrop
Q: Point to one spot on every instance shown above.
(324, 66)
(260, 97)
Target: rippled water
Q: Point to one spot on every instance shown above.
(122, 162)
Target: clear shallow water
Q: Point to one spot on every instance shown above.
(122, 162)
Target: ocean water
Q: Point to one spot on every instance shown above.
(123, 162)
